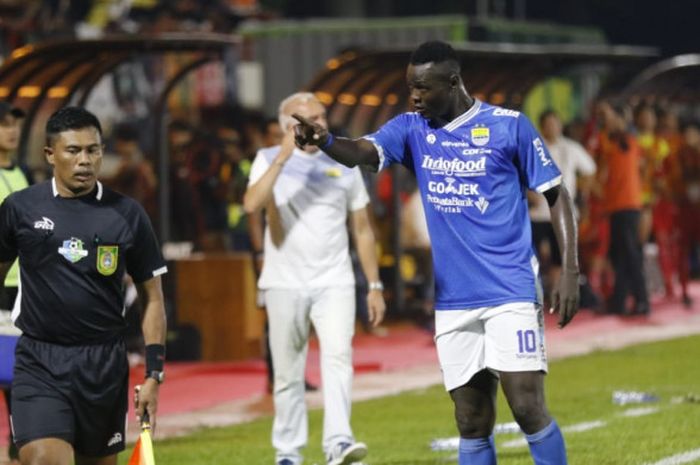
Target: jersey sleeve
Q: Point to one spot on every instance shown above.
(357, 197)
(534, 161)
(391, 140)
(258, 168)
(8, 243)
(144, 259)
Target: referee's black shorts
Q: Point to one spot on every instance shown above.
(75, 393)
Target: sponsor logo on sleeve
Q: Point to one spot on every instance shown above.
(505, 112)
(539, 148)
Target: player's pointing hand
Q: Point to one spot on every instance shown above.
(308, 132)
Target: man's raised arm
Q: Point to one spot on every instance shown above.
(349, 152)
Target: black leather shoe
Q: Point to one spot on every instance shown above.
(641, 309)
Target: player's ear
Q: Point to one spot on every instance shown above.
(48, 153)
(454, 81)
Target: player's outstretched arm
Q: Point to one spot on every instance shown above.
(565, 298)
(349, 152)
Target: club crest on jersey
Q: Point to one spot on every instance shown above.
(480, 136)
(107, 259)
(333, 172)
(430, 138)
(73, 250)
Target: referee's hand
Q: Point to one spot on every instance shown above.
(146, 400)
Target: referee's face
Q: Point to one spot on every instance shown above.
(76, 156)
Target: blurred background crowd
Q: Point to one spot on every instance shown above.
(619, 152)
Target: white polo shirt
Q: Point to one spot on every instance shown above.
(313, 195)
(572, 160)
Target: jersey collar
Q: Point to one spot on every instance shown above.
(464, 117)
(54, 189)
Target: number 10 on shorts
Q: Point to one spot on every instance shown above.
(526, 341)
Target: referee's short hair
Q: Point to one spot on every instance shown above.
(68, 119)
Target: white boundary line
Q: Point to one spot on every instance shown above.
(683, 457)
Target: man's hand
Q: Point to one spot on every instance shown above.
(375, 307)
(146, 400)
(286, 148)
(308, 133)
(565, 298)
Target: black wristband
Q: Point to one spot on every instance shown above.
(155, 357)
(329, 141)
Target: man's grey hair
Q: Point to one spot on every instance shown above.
(285, 118)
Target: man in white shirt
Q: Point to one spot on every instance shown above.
(572, 160)
(307, 278)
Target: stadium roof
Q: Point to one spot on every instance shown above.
(676, 79)
(42, 78)
(364, 88)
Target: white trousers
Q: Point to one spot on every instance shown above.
(332, 312)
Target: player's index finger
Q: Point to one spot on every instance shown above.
(301, 119)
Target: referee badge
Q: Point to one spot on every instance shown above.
(73, 250)
(107, 259)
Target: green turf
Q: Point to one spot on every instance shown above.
(398, 429)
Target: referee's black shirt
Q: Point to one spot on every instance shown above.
(73, 253)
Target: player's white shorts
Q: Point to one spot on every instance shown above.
(507, 337)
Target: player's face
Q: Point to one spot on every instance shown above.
(646, 120)
(76, 156)
(551, 127)
(430, 88)
(9, 133)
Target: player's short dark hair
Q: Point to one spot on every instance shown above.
(69, 119)
(546, 114)
(126, 132)
(434, 51)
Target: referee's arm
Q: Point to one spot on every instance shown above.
(4, 268)
(153, 325)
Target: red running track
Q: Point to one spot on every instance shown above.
(199, 385)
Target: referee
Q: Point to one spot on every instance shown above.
(75, 240)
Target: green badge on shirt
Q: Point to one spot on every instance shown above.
(107, 259)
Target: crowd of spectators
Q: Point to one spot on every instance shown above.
(633, 168)
(638, 235)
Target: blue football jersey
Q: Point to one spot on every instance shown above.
(473, 174)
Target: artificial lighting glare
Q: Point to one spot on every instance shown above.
(324, 97)
(347, 99)
(371, 100)
(29, 91)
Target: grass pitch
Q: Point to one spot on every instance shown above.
(399, 429)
